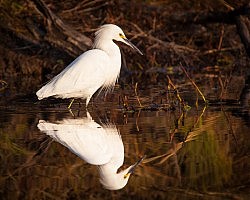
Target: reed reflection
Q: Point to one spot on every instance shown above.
(97, 144)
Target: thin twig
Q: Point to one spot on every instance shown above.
(221, 37)
(137, 97)
(175, 89)
(84, 4)
(227, 5)
(193, 83)
(211, 51)
(172, 45)
(4, 84)
(136, 121)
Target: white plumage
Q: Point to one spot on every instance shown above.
(97, 145)
(94, 69)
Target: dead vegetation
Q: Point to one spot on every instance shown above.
(40, 37)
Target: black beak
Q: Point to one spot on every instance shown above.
(132, 45)
(132, 169)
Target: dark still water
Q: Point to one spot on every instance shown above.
(46, 152)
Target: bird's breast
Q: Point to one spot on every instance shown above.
(113, 70)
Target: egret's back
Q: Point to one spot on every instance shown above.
(80, 79)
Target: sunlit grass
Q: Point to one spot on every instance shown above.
(205, 163)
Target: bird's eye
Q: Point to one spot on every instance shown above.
(121, 35)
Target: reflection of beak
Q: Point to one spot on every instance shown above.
(132, 45)
(132, 169)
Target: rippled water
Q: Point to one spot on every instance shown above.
(200, 154)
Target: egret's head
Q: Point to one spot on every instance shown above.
(116, 181)
(113, 32)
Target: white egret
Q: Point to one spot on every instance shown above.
(96, 144)
(94, 69)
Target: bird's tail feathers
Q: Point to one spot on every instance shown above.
(43, 93)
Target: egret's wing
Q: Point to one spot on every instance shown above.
(116, 146)
(83, 76)
(85, 138)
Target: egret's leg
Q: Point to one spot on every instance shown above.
(71, 113)
(69, 106)
(88, 115)
(87, 101)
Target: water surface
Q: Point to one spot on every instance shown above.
(198, 154)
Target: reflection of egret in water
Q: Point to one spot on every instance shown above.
(97, 145)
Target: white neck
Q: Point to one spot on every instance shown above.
(114, 54)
